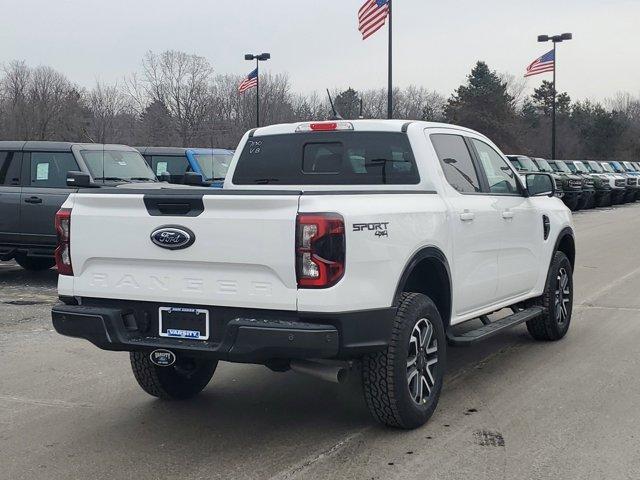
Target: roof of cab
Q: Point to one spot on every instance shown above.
(44, 146)
(360, 125)
(182, 151)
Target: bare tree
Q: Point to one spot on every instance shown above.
(107, 104)
(180, 82)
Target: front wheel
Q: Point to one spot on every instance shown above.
(557, 301)
(402, 383)
(183, 380)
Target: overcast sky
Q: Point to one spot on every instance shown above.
(318, 45)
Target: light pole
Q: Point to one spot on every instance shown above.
(555, 39)
(263, 57)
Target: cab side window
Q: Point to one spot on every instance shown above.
(456, 162)
(10, 168)
(49, 169)
(500, 177)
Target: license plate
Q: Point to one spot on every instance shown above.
(187, 323)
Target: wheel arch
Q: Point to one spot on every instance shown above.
(566, 243)
(428, 272)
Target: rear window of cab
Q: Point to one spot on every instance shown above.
(327, 158)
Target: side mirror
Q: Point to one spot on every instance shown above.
(194, 179)
(540, 185)
(79, 179)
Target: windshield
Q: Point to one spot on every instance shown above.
(580, 167)
(617, 167)
(572, 167)
(117, 165)
(214, 167)
(525, 163)
(607, 168)
(629, 167)
(561, 166)
(543, 165)
(593, 167)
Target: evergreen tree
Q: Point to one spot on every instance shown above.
(485, 105)
(347, 104)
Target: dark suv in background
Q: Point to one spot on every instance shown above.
(524, 164)
(33, 186)
(571, 184)
(596, 192)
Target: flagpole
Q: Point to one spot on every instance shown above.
(553, 115)
(390, 84)
(257, 93)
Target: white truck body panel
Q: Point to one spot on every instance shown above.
(244, 254)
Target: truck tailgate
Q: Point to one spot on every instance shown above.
(243, 254)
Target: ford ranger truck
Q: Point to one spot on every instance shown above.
(332, 245)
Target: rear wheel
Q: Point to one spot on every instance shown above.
(557, 301)
(34, 264)
(402, 383)
(183, 380)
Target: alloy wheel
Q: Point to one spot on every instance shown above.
(562, 297)
(421, 361)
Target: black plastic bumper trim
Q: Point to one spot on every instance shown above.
(241, 335)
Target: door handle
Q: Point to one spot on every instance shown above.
(467, 216)
(33, 200)
(507, 214)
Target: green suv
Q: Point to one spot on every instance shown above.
(571, 184)
(599, 186)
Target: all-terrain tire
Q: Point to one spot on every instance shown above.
(183, 380)
(557, 301)
(388, 390)
(34, 264)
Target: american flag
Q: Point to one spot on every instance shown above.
(545, 63)
(372, 16)
(250, 81)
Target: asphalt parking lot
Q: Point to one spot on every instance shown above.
(511, 408)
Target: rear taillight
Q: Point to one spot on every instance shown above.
(63, 250)
(320, 249)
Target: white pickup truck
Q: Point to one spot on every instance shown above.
(333, 245)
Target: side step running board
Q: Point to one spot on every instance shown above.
(493, 328)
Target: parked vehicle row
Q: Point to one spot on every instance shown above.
(587, 184)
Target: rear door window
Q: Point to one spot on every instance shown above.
(456, 162)
(10, 168)
(328, 158)
(50, 169)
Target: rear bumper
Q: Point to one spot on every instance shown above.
(237, 335)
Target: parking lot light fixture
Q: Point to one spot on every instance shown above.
(262, 57)
(555, 39)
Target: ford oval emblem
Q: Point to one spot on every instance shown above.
(173, 237)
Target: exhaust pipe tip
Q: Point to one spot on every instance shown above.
(330, 373)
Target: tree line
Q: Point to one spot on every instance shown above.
(177, 99)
